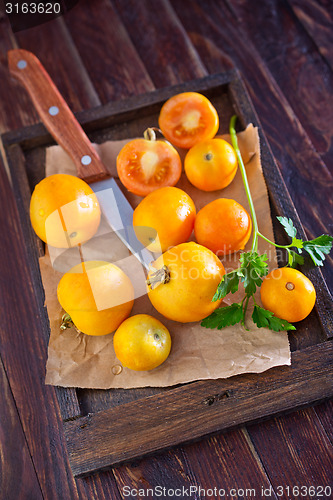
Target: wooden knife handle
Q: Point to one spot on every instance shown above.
(56, 115)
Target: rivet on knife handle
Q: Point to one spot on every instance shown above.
(56, 115)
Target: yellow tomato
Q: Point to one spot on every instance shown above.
(211, 164)
(142, 342)
(288, 293)
(223, 226)
(97, 295)
(164, 218)
(184, 282)
(64, 211)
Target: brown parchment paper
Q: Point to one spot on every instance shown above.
(78, 360)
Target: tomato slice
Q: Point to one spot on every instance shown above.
(188, 118)
(145, 165)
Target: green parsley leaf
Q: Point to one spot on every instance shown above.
(294, 259)
(296, 242)
(263, 318)
(254, 267)
(224, 316)
(318, 248)
(288, 225)
(229, 283)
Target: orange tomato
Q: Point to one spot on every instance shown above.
(288, 293)
(170, 212)
(188, 118)
(64, 211)
(183, 282)
(97, 295)
(211, 164)
(142, 342)
(145, 165)
(223, 226)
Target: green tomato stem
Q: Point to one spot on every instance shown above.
(234, 142)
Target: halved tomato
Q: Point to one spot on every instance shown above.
(188, 118)
(144, 165)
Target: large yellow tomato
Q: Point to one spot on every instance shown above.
(184, 282)
(97, 295)
(64, 211)
(142, 342)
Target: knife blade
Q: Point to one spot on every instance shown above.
(68, 133)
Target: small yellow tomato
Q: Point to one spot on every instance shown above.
(142, 342)
(288, 293)
(211, 164)
(164, 218)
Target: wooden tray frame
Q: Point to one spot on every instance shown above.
(158, 421)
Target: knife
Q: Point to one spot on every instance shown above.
(68, 133)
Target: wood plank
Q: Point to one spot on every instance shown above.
(317, 18)
(212, 28)
(306, 450)
(16, 109)
(106, 50)
(163, 472)
(165, 44)
(24, 356)
(292, 58)
(15, 458)
(325, 415)
(52, 44)
(217, 462)
(194, 410)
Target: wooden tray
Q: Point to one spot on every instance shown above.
(106, 427)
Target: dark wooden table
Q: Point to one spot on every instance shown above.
(107, 50)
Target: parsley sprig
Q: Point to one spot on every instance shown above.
(253, 266)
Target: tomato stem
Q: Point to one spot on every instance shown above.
(158, 277)
(150, 133)
(234, 142)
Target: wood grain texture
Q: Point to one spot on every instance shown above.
(170, 469)
(14, 450)
(325, 414)
(317, 18)
(294, 62)
(16, 109)
(216, 462)
(53, 45)
(194, 410)
(213, 28)
(306, 450)
(161, 41)
(106, 51)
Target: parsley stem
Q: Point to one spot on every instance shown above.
(272, 242)
(247, 298)
(234, 142)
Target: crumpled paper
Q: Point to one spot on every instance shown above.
(78, 360)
